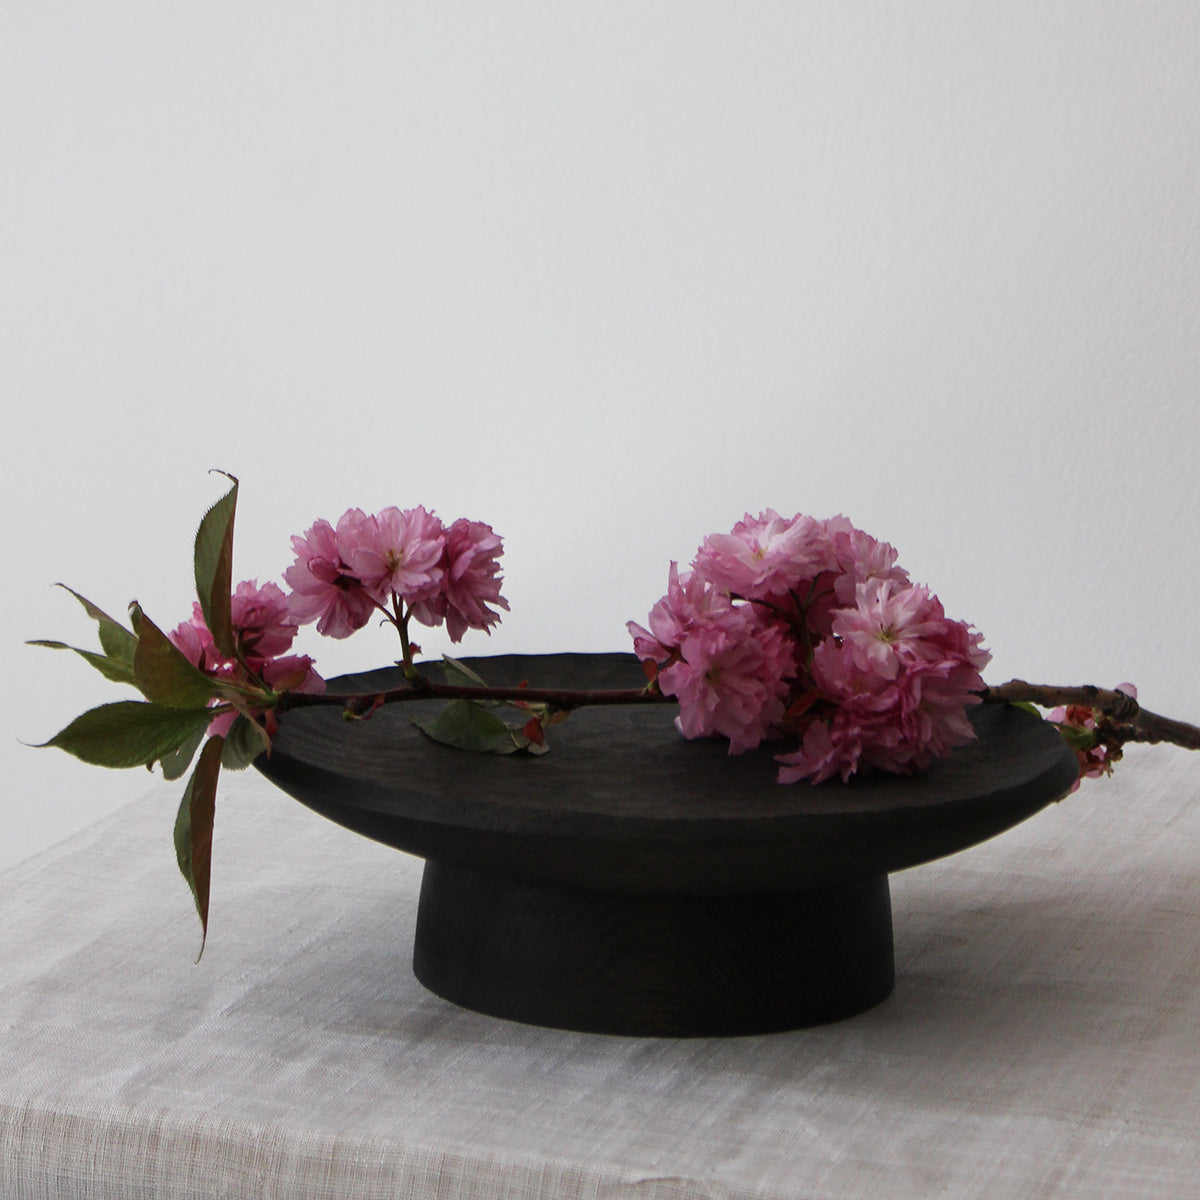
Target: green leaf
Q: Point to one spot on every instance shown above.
(175, 764)
(115, 640)
(459, 674)
(130, 733)
(162, 672)
(1027, 706)
(468, 726)
(194, 829)
(214, 568)
(115, 669)
(244, 742)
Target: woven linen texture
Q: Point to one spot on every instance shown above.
(1043, 1039)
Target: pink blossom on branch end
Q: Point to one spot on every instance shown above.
(406, 563)
(469, 593)
(1077, 723)
(324, 586)
(811, 629)
(398, 553)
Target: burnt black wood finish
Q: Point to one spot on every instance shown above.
(633, 882)
(656, 966)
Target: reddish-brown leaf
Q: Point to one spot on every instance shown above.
(194, 828)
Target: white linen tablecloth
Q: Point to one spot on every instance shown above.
(1043, 1038)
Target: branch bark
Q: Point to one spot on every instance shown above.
(1128, 721)
(562, 699)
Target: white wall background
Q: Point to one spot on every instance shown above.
(605, 275)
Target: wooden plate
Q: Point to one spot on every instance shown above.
(624, 803)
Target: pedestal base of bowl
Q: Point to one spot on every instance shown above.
(653, 965)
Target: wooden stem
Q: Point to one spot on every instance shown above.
(1129, 721)
(562, 699)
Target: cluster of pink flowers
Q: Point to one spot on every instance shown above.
(264, 631)
(1077, 723)
(807, 628)
(406, 559)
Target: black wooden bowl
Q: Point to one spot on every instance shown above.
(634, 882)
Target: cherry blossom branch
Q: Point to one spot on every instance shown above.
(1128, 721)
(561, 699)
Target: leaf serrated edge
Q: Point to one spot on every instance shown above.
(128, 733)
(213, 567)
(116, 670)
(115, 640)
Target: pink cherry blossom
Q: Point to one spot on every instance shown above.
(730, 678)
(811, 627)
(258, 620)
(689, 599)
(294, 672)
(896, 711)
(765, 557)
(470, 581)
(398, 552)
(261, 620)
(859, 559)
(324, 586)
(892, 626)
(836, 746)
(932, 717)
(193, 640)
